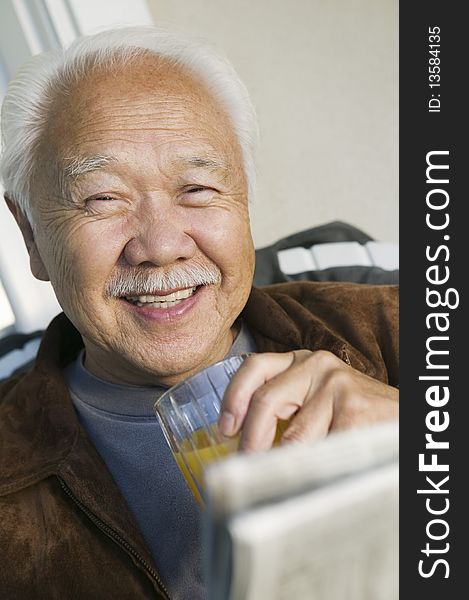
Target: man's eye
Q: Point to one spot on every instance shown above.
(101, 198)
(193, 189)
(198, 195)
(101, 204)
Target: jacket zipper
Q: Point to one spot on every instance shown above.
(114, 536)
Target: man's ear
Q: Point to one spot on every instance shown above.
(38, 268)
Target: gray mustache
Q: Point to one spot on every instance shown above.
(140, 281)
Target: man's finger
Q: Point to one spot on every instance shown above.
(313, 421)
(256, 370)
(278, 399)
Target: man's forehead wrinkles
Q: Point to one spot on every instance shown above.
(129, 130)
(151, 110)
(131, 123)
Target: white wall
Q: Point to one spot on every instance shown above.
(323, 75)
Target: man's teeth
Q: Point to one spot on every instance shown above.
(162, 301)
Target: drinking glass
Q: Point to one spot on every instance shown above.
(188, 414)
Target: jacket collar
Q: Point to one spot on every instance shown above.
(39, 427)
(284, 317)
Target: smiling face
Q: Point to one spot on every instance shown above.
(147, 245)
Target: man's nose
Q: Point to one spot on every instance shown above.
(162, 238)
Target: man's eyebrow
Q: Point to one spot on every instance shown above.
(76, 166)
(202, 162)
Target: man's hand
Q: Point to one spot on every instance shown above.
(317, 390)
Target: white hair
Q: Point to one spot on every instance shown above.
(30, 95)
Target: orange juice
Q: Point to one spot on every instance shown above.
(194, 461)
(198, 451)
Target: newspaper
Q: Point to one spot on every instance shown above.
(307, 521)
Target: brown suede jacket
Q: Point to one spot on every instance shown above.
(65, 530)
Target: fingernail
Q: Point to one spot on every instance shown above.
(226, 424)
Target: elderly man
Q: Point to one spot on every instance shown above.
(127, 163)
